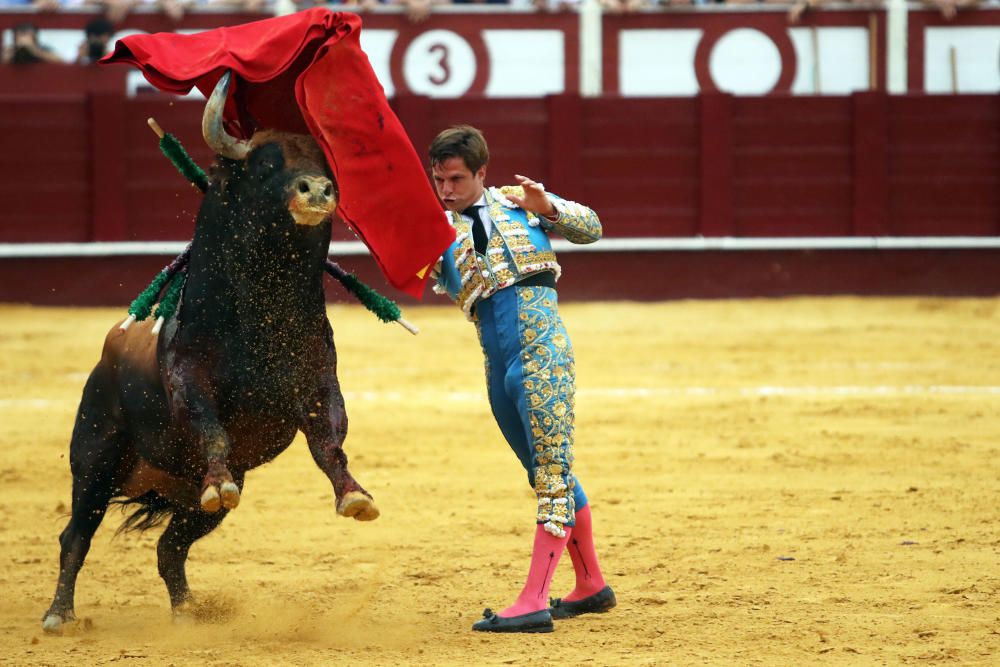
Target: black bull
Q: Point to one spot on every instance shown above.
(170, 424)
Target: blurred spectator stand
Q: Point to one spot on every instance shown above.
(97, 41)
(26, 48)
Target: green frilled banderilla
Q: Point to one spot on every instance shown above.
(174, 274)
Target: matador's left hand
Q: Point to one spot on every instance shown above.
(534, 199)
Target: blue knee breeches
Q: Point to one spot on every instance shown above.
(531, 384)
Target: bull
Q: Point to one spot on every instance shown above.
(168, 425)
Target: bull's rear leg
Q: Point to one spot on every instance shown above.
(184, 529)
(325, 428)
(95, 456)
(89, 507)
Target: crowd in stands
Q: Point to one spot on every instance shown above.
(26, 48)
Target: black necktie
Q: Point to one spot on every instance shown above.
(478, 231)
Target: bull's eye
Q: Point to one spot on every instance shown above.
(303, 187)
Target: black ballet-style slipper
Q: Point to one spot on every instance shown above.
(536, 621)
(598, 603)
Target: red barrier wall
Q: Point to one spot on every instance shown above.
(635, 276)
(88, 168)
(79, 164)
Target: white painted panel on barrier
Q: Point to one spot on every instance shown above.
(843, 54)
(977, 59)
(439, 63)
(843, 60)
(745, 61)
(377, 45)
(805, 81)
(525, 62)
(658, 62)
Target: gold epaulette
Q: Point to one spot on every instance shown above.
(516, 190)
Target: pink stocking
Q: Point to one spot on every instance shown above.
(544, 558)
(584, 556)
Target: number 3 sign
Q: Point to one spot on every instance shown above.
(440, 63)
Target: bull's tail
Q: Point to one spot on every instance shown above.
(151, 510)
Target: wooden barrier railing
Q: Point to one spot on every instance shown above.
(864, 165)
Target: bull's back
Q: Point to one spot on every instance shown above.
(121, 402)
(133, 349)
(130, 372)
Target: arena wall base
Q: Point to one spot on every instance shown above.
(778, 273)
(640, 276)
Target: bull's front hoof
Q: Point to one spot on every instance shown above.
(230, 495)
(211, 502)
(357, 506)
(56, 624)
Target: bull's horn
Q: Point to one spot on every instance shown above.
(211, 123)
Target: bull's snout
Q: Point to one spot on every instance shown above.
(311, 199)
(318, 190)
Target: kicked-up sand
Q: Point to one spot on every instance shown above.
(773, 482)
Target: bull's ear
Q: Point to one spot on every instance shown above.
(265, 161)
(223, 172)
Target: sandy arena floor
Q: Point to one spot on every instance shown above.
(779, 482)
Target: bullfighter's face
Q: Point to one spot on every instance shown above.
(457, 185)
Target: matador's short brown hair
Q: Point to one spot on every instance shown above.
(462, 141)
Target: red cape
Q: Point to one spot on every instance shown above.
(314, 58)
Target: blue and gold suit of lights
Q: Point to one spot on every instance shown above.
(530, 376)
